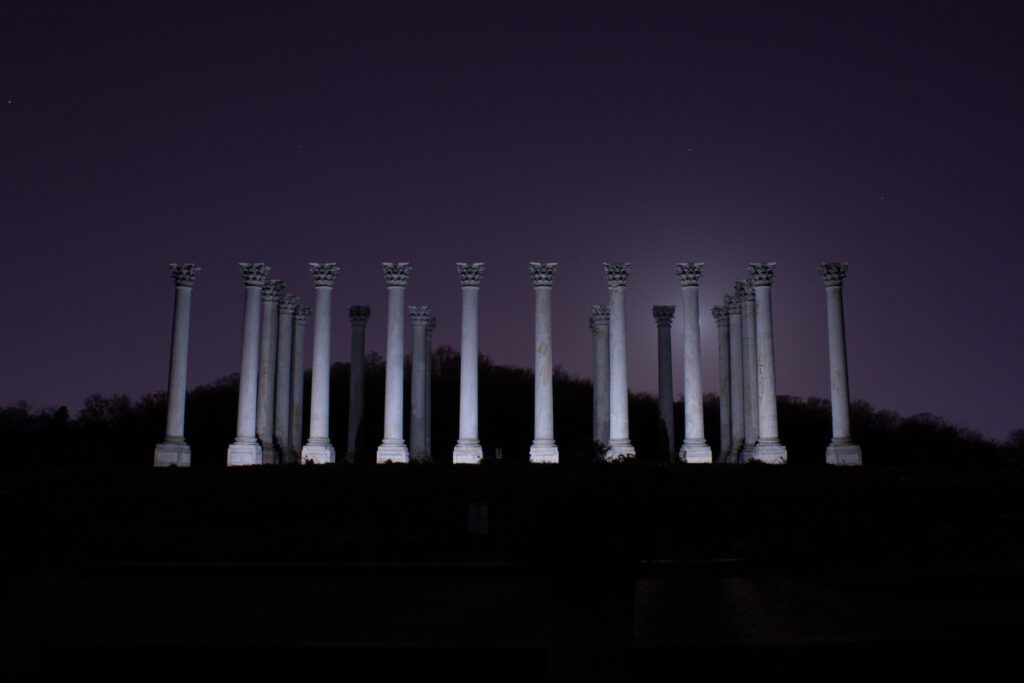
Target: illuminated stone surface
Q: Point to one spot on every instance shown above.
(283, 381)
(842, 450)
(420, 316)
(431, 324)
(318, 449)
(768, 449)
(663, 318)
(298, 374)
(246, 449)
(599, 330)
(392, 447)
(721, 316)
(273, 292)
(695, 447)
(467, 449)
(619, 446)
(745, 293)
(173, 450)
(543, 448)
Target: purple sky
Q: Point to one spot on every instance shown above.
(889, 136)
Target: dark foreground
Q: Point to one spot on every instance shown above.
(513, 573)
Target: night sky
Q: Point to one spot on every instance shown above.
(887, 135)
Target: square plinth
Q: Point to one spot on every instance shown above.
(847, 455)
(698, 453)
(770, 453)
(245, 454)
(619, 451)
(172, 455)
(467, 454)
(317, 454)
(392, 452)
(544, 454)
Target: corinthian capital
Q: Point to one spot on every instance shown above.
(542, 274)
(396, 274)
(720, 314)
(743, 291)
(302, 314)
(323, 274)
(470, 273)
(254, 274)
(358, 315)
(184, 274)
(663, 315)
(273, 290)
(689, 273)
(761, 274)
(598, 317)
(734, 304)
(616, 273)
(289, 304)
(420, 315)
(833, 273)
(431, 324)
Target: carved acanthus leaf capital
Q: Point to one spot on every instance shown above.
(470, 273)
(184, 274)
(542, 274)
(358, 315)
(420, 315)
(663, 315)
(254, 274)
(833, 273)
(598, 317)
(616, 273)
(273, 290)
(761, 274)
(733, 304)
(689, 273)
(323, 274)
(431, 324)
(289, 304)
(721, 315)
(743, 291)
(396, 274)
(302, 314)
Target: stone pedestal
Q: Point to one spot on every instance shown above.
(298, 375)
(721, 316)
(319, 450)
(663, 318)
(543, 448)
(357, 315)
(745, 293)
(599, 329)
(842, 450)
(273, 293)
(173, 450)
(619, 445)
(467, 449)
(695, 448)
(392, 447)
(283, 381)
(420, 316)
(246, 449)
(768, 449)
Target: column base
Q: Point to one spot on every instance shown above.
(770, 453)
(847, 454)
(175, 454)
(746, 454)
(317, 453)
(467, 453)
(421, 457)
(271, 455)
(695, 453)
(244, 453)
(619, 450)
(544, 453)
(392, 452)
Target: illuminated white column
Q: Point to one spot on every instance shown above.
(298, 375)
(721, 316)
(663, 318)
(842, 450)
(751, 422)
(695, 447)
(318, 449)
(246, 449)
(734, 306)
(420, 316)
(173, 450)
(599, 329)
(357, 315)
(543, 449)
(768, 449)
(393, 448)
(283, 381)
(273, 292)
(429, 396)
(619, 445)
(467, 449)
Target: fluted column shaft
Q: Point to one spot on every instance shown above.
(357, 315)
(543, 448)
(842, 450)
(420, 316)
(602, 411)
(298, 375)
(467, 448)
(283, 381)
(721, 316)
(695, 448)
(174, 450)
(736, 388)
(246, 449)
(768, 448)
(663, 317)
(619, 445)
(393, 448)
(750, 400)
(272, 294)
(318, 449)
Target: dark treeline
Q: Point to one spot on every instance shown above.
(114, 431)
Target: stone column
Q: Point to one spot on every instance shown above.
(429, 396)
(745, 292)
(283, 381)
(273, 292)
(721, 316)
(842, 450)
(619, 445)
(393, 448)
(173, 450)
(357, 315)
(769, 449)
(734, 306)
(663, 318)
(420, 316)
(543, 448)
(246, 449)
(695, 447)
(318, 450)
(467, 448)
(599, 329)
(298, 374)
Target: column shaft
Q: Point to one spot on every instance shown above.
(319, 450)
(721, 316)
(174, 450)
(695, 448)
(283, 380)
(619, 445)
(246, 449)
(842, 450)
(543, 448)
(750, 401)
(768, 448)
(418, 385)
(736, 379)
(358, 315)
(272, 292)
(298, 376)
(663, 316)
(428, 417)
(602, 408)
(393, 448)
